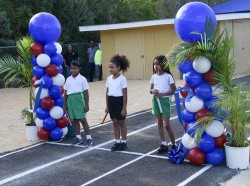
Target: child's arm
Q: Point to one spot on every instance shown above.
(153, 90)
(124, 108)
(106, 109)
(86, 97)
(65, 101)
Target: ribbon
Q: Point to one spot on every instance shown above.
(38, 100)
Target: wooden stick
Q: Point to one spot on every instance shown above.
(106, 113)
(67, 115)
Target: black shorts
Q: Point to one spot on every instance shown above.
(115, 105)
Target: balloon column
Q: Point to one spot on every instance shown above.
(198, 77)
(45, 29)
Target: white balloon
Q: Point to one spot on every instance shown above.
(56, 112)
(215, 128)
(58, 48)
(58, 80)
(43, 60)
(44, 92)
(201, 64)
(39, 122)
(188, 141)
(194, 105)
(65, 130)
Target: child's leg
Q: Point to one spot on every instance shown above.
(123, 129)
(116, 129)
(77, 126)
(169, 129)
(85, 126)
(160, 127)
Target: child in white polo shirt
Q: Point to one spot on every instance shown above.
(76, 102)
(116, 100)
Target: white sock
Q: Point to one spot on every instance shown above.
(164, 143)
(79, 136)
(123, 141)
(88, 136)
(118, 141)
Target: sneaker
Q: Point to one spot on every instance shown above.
(115, 147)
(122, 147)
(162, 149)
(76, 141)
(173, 147)
(90, 142)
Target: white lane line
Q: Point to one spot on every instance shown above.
(118, 168)
(195, 175)
(65, 158)
(26, 148)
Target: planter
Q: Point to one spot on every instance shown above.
(237, 157)
(31, 133)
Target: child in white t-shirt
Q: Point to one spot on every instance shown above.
(116, 100)
(162, 87)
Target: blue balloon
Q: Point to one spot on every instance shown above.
(186, 66)
(207, 143)
(56, 134)
(59, 101)
(47, 81)
(49, 123)
(203, 91)
(209, 103)
(41, 113)
(215, 156)
(44, 28)
(193, 78)
(187, 116)
(57, 59)
(55, 92)
(60, 69)
(192, 18)
(38, 71)
(33, 60)
(183, 102)
(50, 49)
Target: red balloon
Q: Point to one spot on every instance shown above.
(52, 70)
(33, 81)
(196, 156)
(36, 48)
(209, 77)
(62, 89)
(43, 134)
(202, 113)
(62, 122)
(48, 103)
(219, 141)
(184, 94)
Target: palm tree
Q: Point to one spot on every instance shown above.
(17, 72)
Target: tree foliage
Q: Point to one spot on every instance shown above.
(16, 14)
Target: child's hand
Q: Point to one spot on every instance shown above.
(155, 92)
(106, 110)
(124, 112)
(86, 108)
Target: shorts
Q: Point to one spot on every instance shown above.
(165, 105)
(115, 105)
(75, 105)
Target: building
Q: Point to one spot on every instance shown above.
(142, 41)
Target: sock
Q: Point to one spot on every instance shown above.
(88, 136)
(118, 141)
(123, 141)
(79, 136)
(164, 143)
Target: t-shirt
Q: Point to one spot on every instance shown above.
(70, 56)
(116, 85)
(76, 84)
(91, 52)
(98, 57)
(162, 83)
